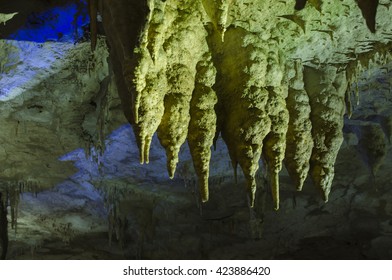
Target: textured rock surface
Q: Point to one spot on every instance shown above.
(253, 46)
(189, 70)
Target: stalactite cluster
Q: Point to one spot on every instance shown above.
(299, 134)
(201, 69)
(326, 90)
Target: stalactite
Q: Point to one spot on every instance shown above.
(173, 129)
(150, 110)
(203, 122)
(156, 27)
(92, 5)
(164, 83)
(299, 137)
(275, 142)
(246, 122)
(326, 90)
(150, 81)
(274, 145)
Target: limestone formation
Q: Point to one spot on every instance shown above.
(6, 17)
(272, 78)
(326, 90)
(299, 133)
(203, 122)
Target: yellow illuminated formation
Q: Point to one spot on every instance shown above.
(271, 77)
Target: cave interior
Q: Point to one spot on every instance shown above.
(209, 129)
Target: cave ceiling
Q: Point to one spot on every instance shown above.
(148, 96)
(272, 78)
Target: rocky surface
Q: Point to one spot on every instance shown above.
(70, 163)
(252, 49)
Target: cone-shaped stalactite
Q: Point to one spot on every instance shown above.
(173, 129)
(203, 122)
(150, 109)
(326, 89)
(275, 142)
(246, 122)
(299, 134)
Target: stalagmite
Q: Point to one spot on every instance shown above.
(299, 136)
(203, 122)
(326, 89)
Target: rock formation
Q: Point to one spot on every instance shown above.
(254, 92)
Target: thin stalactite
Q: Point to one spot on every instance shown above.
(92, 8)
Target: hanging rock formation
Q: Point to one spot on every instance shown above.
(270, 80)
(326, 90)
(299, 134)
